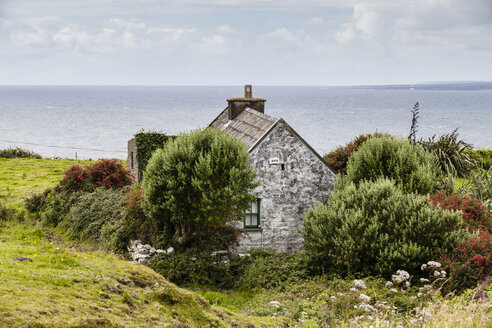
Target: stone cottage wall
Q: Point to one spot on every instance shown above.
(287, 190)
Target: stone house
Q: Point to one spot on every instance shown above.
(293, 176)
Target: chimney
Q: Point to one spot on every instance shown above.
(237, 105)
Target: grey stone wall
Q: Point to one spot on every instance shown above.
(132, 159)
(287, 190)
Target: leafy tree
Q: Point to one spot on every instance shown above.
(198, 181)
(411, 167)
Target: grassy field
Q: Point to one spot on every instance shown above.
(23, 177)
(46, 282)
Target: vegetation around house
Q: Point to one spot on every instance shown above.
(146, 142)
(403, 286)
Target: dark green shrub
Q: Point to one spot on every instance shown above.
(409, 166)
(18, 153)
(97, 218)
(338, 158)
(197, 182)
(375, 228)
(146, 143)
(269, 269)
(6, 213)
(138, 224)
(451, 153)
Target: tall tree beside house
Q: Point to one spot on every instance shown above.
(199, 181)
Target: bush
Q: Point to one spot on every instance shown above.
(136, 222)
(194, 263)
(483, 157)
(469, 263)
(269, 269)
(18, 153)
(375, 228)
(479, 186)
(197, 182)
(6, 213)
(109, 174)
(409, 166)
(338, 158)
(451, 153)
(475, 215)
(97, 218)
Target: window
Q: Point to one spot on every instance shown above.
(252, 216)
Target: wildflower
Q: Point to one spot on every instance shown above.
(364, 298)
(401, 276)
(366, 307)
(424, 315)
(434, 264)
(419, 294)
(393, 290)
(275, 304)
(437, 273)
(424, 280)
(339, 294)
(85, 258)
(100, 292)
(443, 273)
(62, 260)
(359, 284)
(413, 298)
(353, 289)
(388, 284)
(333, 298)
(20, 271)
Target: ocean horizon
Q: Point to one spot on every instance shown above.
(97, 121)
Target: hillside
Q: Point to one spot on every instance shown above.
(44, 282)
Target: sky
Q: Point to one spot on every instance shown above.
(235, 42)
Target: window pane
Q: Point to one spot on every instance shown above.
(247, 221)
(254, 207)
(254, 220)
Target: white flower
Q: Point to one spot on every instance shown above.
(424, 280)
(423, 267)
(393, 290)
(400, 276)
(339, 294)
(364, 298)
(355, 306)
(366, 307)
(359, 284)
(407, 283)
(437, 273)
(413, 297)
(434, 264)
(275, 304)
(353, 289)
(419, 294)
(333, 298)
(303, 313)
(443, 273)
(424, 315)
(388, 284)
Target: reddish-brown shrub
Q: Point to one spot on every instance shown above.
(338, 158)
(109, 174)
(469, 263)
(75, 178)
(475, 215)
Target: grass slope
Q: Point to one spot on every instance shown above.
(23, 177)
(45, 282)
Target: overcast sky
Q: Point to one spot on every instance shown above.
(263, 42)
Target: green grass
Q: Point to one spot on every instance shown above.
(61, 286)
(20, 178)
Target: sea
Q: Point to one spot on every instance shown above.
(97, 121)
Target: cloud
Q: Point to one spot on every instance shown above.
(443, 24)
(113, 35)
(225, 29)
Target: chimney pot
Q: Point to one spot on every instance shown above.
(237, 105)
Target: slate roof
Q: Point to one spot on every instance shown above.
(249, 126)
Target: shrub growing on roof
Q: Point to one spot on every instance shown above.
(375, 228)
(411, 167)
(197, 181)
